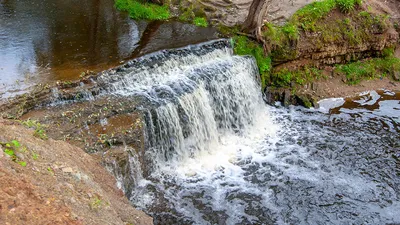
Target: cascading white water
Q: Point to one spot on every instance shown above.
(197, 97)
(202, 102)
(216, 154)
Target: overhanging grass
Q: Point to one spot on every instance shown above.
(310, 14)
(145, 11)
(244, 46)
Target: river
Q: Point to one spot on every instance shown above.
(215, 152)
(43, 41)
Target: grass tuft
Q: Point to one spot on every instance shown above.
(200, 22)
(145, 11)
(374, 68)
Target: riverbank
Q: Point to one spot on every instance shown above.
(326, 51)
(43, 181)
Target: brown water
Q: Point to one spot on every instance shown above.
(44, 41)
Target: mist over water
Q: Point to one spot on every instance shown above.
(217, 154)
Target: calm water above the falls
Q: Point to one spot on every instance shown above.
(43, 40)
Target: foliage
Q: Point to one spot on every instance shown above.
(369, 69)
(355, 29)
(243, 46)
(200, 22)
(186, 16)
(286, 78)
(189, 16)
(96, 203)
(281, 36)
(309, 15)
(146, 11)
(345, 5)
(387, 52)
(291, 31)
(11, 148)
(39, 128)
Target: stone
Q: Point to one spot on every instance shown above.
(286, 98)
(67, 170)
(396, 76)
(19, 155)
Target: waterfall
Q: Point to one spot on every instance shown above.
(214, 153)
(201, 106)
(192, 96)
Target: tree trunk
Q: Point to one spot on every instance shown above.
(255, 18)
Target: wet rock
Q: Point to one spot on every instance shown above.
(396, 76)
(286, 98)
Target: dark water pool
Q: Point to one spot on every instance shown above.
(44, 41)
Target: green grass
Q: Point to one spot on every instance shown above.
(145, 11)
(11, 148)
(244, 46)
(354, 28)
(200, 22)
(287, 78)
(188, 16)
(309, 15)
(370, 69)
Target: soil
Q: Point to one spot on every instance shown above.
(335, 87)
(60, 184)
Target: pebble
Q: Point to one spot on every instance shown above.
(67, 170)
(20, 155)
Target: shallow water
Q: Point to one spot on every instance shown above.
(43, 41)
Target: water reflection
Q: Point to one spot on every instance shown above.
(52, 40)
(44, 40)
(381, 107)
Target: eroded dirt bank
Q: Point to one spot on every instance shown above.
(53, 182)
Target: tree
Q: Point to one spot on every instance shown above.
(255, 19)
